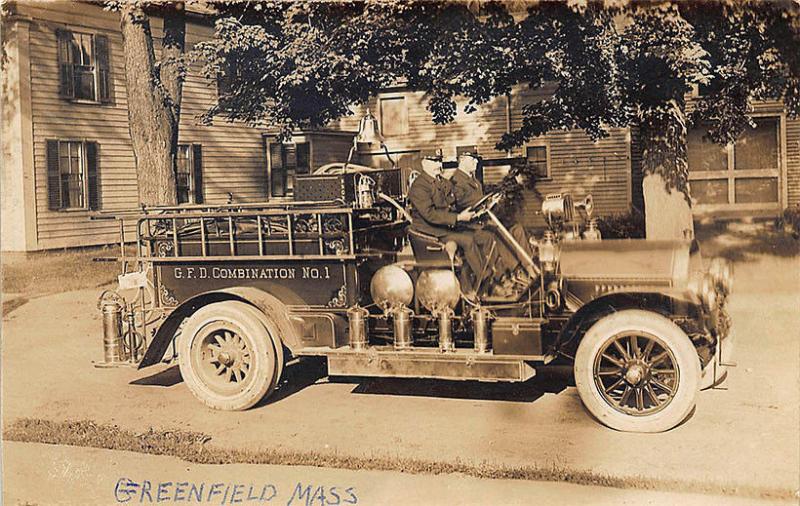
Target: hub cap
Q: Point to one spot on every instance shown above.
(222, 357)
(636, 373)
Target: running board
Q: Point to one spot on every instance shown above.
(428, 364)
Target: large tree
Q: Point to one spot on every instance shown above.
(616, 64)
(154, 89)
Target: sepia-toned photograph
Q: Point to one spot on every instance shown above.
(400, 252)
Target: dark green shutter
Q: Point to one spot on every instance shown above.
(93, 186)
(66, 88)
(101, 49)
(277, 170)
(53, 177)
(303, 158)
(197, 168)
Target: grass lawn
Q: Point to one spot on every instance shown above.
(48, 272)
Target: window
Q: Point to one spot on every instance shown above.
(225, 82)
(84, 66)
(394, 116)
(72, 175)
(745, 172)
(189, 176)
(537, 157)
(285, 162)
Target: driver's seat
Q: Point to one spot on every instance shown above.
(429, 251)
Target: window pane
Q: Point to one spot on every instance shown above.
(703, 154)
(537, 158)
(757, 148)
(303, 158)
(277, 179)
(289, 155)
(394, 116)
(75, 46)
(84, 83)
(756, 190)
(87, 51)
(182, 159)
(183, 167)
(710, 191)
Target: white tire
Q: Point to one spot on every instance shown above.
(637, 371)
(228, 356)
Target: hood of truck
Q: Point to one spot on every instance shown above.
(628, 262)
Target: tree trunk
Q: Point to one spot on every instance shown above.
(152, 122)
(668, 213)
(170, 73)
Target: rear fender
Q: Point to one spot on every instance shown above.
(272, 308)
(665, 304)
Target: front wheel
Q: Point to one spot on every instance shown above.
(227, 356)
(636, 371)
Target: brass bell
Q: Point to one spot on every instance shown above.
(369, 131)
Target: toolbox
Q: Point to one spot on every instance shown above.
(517, 336)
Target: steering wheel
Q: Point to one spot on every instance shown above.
(486, 204)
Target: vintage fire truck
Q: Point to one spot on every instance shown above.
(231, 292)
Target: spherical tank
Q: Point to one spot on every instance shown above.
(391, 286)
(438, 289)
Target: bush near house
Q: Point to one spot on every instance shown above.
(791, 221)
(628, 225)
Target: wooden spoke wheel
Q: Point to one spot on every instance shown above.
(228, 357)
(637, 371)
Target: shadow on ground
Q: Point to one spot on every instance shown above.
(301, 374)
(546, 381)
(745, 242)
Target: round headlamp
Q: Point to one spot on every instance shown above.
(708, 293)
(721, 272)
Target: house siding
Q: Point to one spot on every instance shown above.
(233, 156)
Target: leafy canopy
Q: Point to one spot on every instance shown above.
(617, 63)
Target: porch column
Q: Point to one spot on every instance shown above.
(18, 200)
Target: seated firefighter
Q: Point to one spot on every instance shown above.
(509, 275)
(433, 212)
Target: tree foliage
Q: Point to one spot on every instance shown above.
(614, 64)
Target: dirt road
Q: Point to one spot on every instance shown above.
(44, 474)
(745, 436)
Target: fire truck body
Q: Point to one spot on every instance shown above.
(237, 289)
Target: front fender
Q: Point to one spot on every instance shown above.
(665, 302)
(272, 308)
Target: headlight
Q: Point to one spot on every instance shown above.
(721, 272)
(708, 293)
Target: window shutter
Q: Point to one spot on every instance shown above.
(277, 174)
(53, 177)
(197, 168)
(101, 48)
(93, 186)
(303, 158)
(66, 87)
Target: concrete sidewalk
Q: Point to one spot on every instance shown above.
(45, 474)
(742, 438)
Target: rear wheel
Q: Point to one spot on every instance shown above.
(228, 357)
(636, 371)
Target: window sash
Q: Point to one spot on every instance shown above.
(80, 54)
(294, 159)
(184, 180)
(72, 174)
(536, 157)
